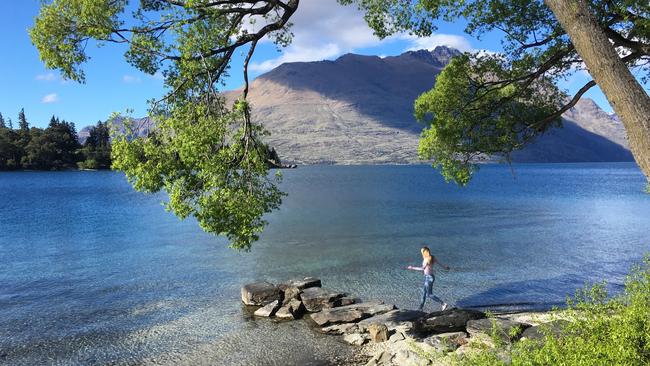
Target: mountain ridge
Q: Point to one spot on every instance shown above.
(358, 109)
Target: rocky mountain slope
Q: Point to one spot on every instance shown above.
(359, 109)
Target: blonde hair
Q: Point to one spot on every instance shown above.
(426, 254)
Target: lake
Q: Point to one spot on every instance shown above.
(94, 273)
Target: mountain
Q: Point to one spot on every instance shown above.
(142, 125)
(359, 109)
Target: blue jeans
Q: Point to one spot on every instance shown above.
(427, 291)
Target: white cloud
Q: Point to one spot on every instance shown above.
(50, 98)
(298, 53)
(50, 76)
(129, 79)
(324, 29)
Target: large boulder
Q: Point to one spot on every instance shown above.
(378, 332)
(394, 319)
(316, 298)
(452, 320)
(447, 342)
(268, 310)
(538, 333)
(259, 293)
(505, 329)
(350, 313)
(343, 328)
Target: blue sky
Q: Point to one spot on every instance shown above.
(322, 29)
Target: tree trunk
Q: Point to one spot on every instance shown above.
(628, 99)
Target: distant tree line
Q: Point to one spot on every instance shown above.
(56, 147)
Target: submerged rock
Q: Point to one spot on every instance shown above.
(259, 293)
(452, 320)
(268, 310)
(316, 298)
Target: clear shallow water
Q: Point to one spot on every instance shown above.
(94, 273)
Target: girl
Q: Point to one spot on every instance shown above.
(427, 267)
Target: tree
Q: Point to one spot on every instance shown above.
(97, 148)
(23, 125)
(495, 104)
(207, 156)
(2, 122)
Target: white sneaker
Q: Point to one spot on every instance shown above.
(444, 306)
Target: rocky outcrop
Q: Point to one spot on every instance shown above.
(390, 336)
(259, 293)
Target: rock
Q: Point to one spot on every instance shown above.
(302, 284)
(381, 358)
(506, 330)
(268, 310)
(553, 328)
(292, 288)
(355, 339)
(292, 310)
(345, 301)
(398, 336)
(350, 313)
(345, 328)
(394, 319)
(447, 342)
(259, 293)
(378, 333)
(408, 357)
(452, 320)
(315, 297)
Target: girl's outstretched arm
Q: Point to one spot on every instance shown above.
(415, 268)
(435, 260)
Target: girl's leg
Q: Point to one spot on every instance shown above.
(425, 292)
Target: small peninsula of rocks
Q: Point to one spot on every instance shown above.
(386, 335)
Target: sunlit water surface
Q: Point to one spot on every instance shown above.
(94, 273)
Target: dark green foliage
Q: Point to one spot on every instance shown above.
(2, 122)
(53, 148)
(206, 155)
(97, 148)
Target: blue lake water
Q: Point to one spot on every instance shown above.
(94, 273)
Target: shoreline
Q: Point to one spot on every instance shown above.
(381, 333)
